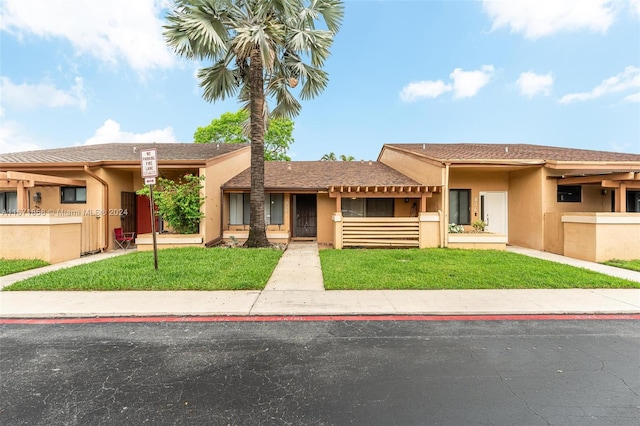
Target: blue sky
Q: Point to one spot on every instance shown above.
(548, 72)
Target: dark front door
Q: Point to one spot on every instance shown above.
(305, 215)
(128, 206)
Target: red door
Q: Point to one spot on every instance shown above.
(143, 216)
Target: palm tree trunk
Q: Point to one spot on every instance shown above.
(257, 232)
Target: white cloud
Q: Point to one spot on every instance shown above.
(532, 84)
(111, 132)
(423, 89)
(45, 94)
(540, 18)
(467, 83)
(633, 98)
(629, 79)
(111, 30)
(634, 5)
(13, 138)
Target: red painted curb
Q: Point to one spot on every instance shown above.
(303, 318)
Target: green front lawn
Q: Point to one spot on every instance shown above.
(12, 266)
(250, 269)
(178, 269)
(379, 269)
(634, 265)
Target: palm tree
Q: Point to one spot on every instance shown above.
(329, 157)
(258, 49)
(347, 157)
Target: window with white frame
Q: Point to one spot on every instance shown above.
(240, 208)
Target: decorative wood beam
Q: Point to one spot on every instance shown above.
(44, 179)
(577, 180)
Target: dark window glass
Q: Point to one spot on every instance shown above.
(379, 207)
(569, 193)
(367, 207)
(73, 194)
(460, 206)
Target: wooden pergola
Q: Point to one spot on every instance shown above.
(383, 191)
(23, 181)
(620, 182)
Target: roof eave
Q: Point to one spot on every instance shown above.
(592, 165)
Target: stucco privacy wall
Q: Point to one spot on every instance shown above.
(598, 237)
(593, 200)
(49, 238)
(92, 228)
(218, 171)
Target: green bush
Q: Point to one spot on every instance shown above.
(179, 202)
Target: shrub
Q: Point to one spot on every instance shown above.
(179, 202)
(479, 225)
(455, 229)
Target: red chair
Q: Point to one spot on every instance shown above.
(123, 239)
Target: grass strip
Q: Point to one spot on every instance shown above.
(12, 266)
(633, 265)
(178, 269)
(378, 269)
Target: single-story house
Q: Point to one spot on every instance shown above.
(67, 202)
(576, 202)
(338, 204)
(580, 203)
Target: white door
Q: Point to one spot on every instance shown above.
(493, 209)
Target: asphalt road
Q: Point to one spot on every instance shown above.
(322, 373)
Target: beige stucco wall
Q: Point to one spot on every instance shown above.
(218, 171)
(525, 208)
(119, 181)
(49, 238)
(593, 200)
(598, 237)
(417, 168)
(326, 207)
(429, 230)
(477, 181)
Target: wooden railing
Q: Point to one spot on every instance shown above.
(380, 232)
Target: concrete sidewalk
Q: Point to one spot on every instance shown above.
(295, 288)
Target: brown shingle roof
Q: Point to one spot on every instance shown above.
(317, 175)
(120, 152)
(480, 151)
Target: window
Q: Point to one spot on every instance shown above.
(73, 194)
(274, 209)
(8, 202)
(569, 193)
(633, 201)
(240, 209)
(367, 207)
(460, 206)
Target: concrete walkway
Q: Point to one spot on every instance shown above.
(295, 288)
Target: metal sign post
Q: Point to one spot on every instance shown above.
(149, 168)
